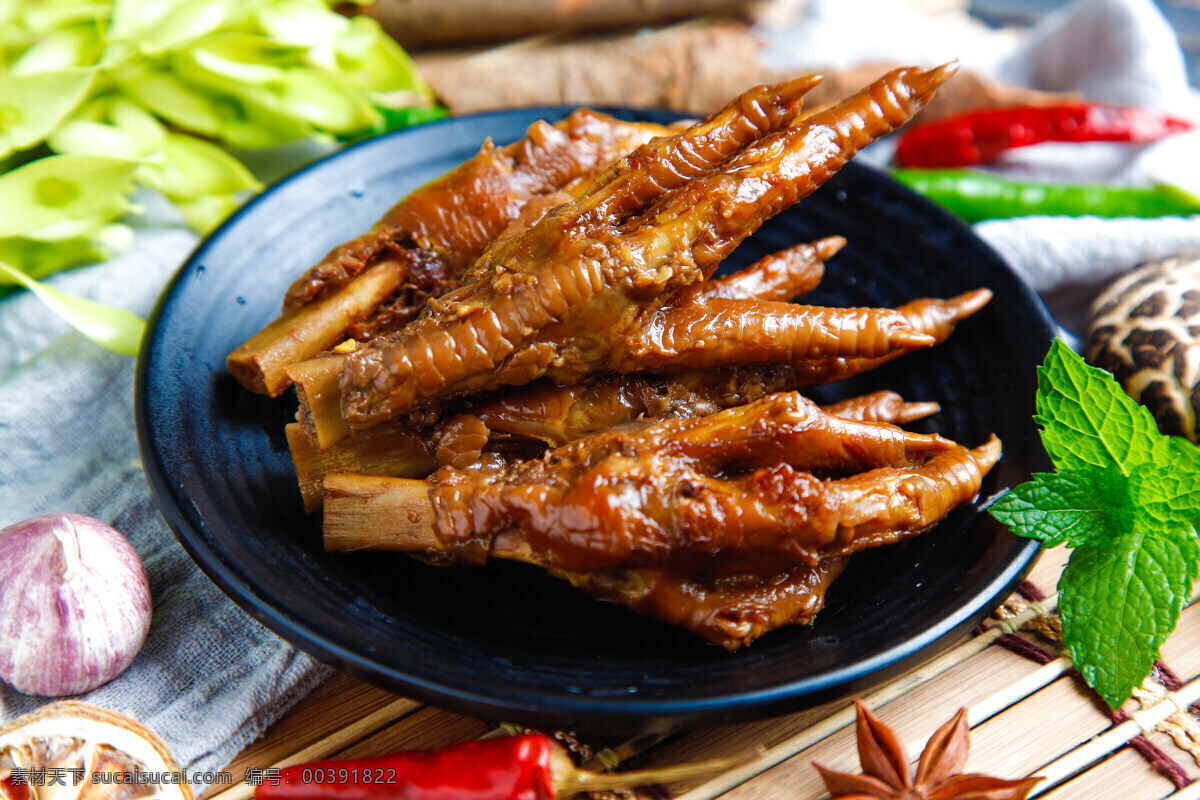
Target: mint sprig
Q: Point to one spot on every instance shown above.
(1126, 498)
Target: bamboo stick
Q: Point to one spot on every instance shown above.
(364, 727)
(844, 718)
(980, 712)
(1191, 792)
(331, 744)
(1139, 722)
(402, 707)
(892, 691)
(320, 399)
(397, 451)
(1016, 692)
(301, 333)
(998, 702)
(370, 512)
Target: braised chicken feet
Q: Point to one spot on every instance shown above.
(566, 297)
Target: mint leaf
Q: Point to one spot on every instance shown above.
(1167, 495)
(1077, 507)
(1127, 499)
(1119, 601)
(1088, 421)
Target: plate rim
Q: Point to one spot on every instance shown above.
(645, 713)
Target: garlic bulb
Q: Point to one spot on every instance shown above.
(74, 604)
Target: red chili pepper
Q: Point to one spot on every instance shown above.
(10, 787)
(979, 136)
(528, 767)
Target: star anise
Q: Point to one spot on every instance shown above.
(886, 774)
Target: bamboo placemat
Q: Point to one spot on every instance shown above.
(1029, 714)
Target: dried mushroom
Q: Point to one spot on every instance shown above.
(1143, 328)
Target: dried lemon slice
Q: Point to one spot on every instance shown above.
(77, 751)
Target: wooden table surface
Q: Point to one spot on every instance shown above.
(1026, 718)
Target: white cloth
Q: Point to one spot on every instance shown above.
(210, 679)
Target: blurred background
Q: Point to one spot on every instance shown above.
(1184, 16)
(692, 56)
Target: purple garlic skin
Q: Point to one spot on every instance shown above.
(74, 604)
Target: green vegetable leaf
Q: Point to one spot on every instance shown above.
(136, 123)
(239, 57)
(113, 328)
(1126, 498)
(252, 119)
(84, 137)
(185, 22)
(1168, 495)
(62, 49)
(60, 188)
(100, 96)
(89, 226)
(378, 63)
(1119, 601)
(298, 23)
(325, 102)
(128, 17)
(32, 106)
(40, 258)
(8, 11)
(1088, 421)
(1076, 507)
(170, 98)
(43, 18)
(111, 125)
(412, 115)
(192, 167)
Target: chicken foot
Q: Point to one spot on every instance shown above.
(380, 280)
(551, 415)
(657, 221)
(376, 514)
(728, 556)
(730, 611)
(619, 514)
(610, 400)
(592, 503)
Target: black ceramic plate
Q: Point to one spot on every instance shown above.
(505, 641)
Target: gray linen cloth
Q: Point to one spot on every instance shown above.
(210, 679)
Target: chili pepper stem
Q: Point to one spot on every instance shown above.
(569, 780)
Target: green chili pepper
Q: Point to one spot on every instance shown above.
(976, 196)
